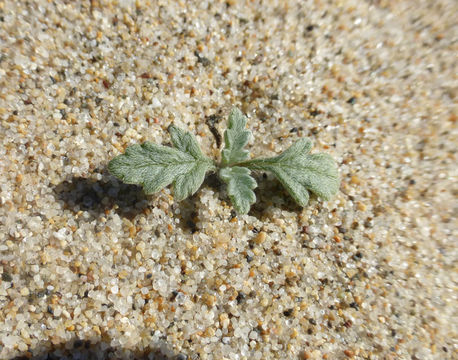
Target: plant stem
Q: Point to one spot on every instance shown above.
(254, 164)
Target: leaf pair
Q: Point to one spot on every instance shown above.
(156, 166)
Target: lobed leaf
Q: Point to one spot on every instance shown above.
(185, 141)
(155, 166)
(299, 172)
(235, 139)
(187, 184)
(240, 187)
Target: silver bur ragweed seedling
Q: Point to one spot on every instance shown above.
(185, 166)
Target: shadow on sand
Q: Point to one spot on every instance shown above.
(98, 197)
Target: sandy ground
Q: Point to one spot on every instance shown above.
(94, 269)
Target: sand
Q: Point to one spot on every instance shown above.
(94, 269)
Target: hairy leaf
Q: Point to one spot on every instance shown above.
(187, 184)
(185, 141)
(300, 172)
(235, 139)
(240, 187)
(156, 166)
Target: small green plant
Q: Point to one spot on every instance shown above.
(185, 166)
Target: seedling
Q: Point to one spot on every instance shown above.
(185, 166)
